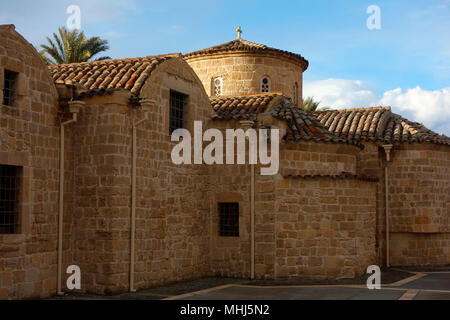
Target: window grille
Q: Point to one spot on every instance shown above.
(265, 84)
(9, 199)
(229, 219)
(217, 87)
(9, 87)
(177, 104)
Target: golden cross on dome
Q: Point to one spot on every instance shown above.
(239, 31)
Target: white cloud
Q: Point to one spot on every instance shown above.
(340, 93)
(430, 107)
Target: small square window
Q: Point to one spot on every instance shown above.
(177, 106)
(9, 199)
(229, 219)
(9, 87)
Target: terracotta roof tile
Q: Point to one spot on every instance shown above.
(244, 107)
(376, 124)
(243, 45)
(127, 74)
(300, 125)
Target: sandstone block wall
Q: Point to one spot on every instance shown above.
(418, 199)
(419, 189)
(420, 249)
(325, 228)
(29, 138)
(304, 228)
(242, 73)
(370, 161)
(230, 256)
(173, 209)
(310, 158)
(102, 176)
(171, 231)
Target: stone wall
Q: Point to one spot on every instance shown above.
(325, 228)
(173, 209)
(420, 249)
(242, 73)
(370, 161)
(102, 176)
(310, 158)
(419, 189)
(171, 212)
(419, 182)
(318, 228)
(29, 138)
(230, 256)
(304, 228)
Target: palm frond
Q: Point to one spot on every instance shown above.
(310, 105)
(103, 58)
(72, 46)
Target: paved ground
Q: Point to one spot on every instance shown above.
(296, 293)
(433, 281)
(396, 285)
(418, 286)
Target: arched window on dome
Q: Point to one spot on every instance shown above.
(265, 84)
(295, 94)
(217, 87)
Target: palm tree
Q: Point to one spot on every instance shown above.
(309, 105)
(72, 46)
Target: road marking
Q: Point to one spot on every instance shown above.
(360, 286)
(417, 275)
(409, 295)
(187, 295)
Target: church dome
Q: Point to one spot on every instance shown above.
(240, 45)
(240, 67)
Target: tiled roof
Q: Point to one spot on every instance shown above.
(127, 74)
(300, 125)
(243, 107)
(243, 45)
(376, 124)
(303, 126)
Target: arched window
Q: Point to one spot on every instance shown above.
(265, 84)
(296, 94)
(216, 89)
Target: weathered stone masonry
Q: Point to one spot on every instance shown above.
(29, 139)
(321, 217)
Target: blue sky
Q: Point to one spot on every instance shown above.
(405, 64)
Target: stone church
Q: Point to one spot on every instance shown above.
(86, 177)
